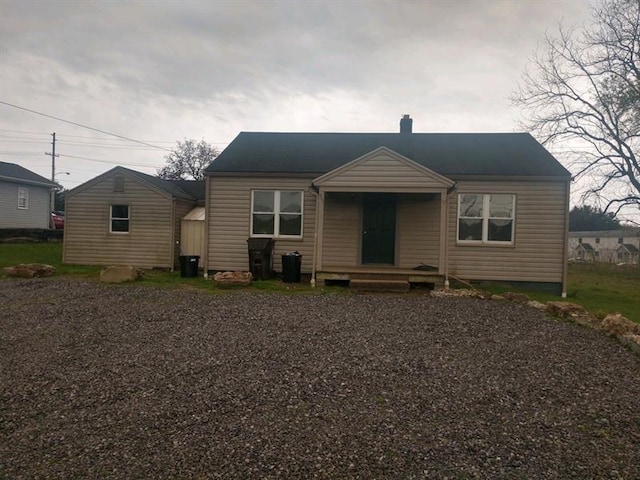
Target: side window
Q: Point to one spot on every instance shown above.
(119, 219)
(263, 213)
(486, 218)
(470, 217)
(276, 213)
(23, 198)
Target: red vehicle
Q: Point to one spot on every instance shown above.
(58, 220)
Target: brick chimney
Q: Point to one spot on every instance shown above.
(406, 124)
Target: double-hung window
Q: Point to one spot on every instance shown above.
(486, 218)
(276, 213)
(23, 198)
(119, 219)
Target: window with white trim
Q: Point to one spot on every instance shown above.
(23, 198)
(119, 219)
(486, 218)
(276, 213)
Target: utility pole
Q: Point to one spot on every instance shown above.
(53, 177)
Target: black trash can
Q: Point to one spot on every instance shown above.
(261, 257)
(291, 264)
(189, 265)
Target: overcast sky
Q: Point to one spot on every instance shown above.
(164, 71)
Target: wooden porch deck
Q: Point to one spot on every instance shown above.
(380, 274)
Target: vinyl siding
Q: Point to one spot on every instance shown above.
(87, 239)
(538, 252)
(38, 214)
(381, 172)
(228, 221)
(342, 225)
(418, 237)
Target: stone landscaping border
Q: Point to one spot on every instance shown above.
(614, 324)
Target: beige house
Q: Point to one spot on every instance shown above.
(124, 217)
(605, 246)
(408, 206)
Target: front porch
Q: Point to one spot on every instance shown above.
(379, 219)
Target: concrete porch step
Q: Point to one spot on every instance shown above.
(367, 285)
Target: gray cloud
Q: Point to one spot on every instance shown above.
(168, 70)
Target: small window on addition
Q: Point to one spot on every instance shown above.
(118, 183)
(119, 219)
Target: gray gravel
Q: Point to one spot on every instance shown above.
(130, 382)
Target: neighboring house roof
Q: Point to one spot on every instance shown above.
(15, 173)
(628, 247)
(449, 154)
(587, 247)
(625, 232)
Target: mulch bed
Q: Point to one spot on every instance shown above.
(102, 381)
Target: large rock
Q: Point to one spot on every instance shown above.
(565, 309)
(516, 297)
(573, 312)
(616, 324)
(233, 278)
(30, 270)
(115, 274)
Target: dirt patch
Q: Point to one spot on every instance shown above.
(110, 381)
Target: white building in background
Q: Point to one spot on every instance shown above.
(25, 198)
(608, 246)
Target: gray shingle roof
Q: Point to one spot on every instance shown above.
(449, 154)
(12, 171)
(629, 247)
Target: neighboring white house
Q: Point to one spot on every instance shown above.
(609, 246)
(25, 198)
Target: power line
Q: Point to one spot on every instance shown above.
(24, 131)
(83, 126)
(109, 162)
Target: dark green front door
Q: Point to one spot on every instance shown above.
(379, 229)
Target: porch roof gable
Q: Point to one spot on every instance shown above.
(382, 170)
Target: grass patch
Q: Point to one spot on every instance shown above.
(606, 288)
(49, 253)
(600, 288)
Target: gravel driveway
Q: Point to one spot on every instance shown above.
(131, 382)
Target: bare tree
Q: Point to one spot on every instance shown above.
(188, 160)
(582, 93)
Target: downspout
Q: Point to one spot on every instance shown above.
(314, 190)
